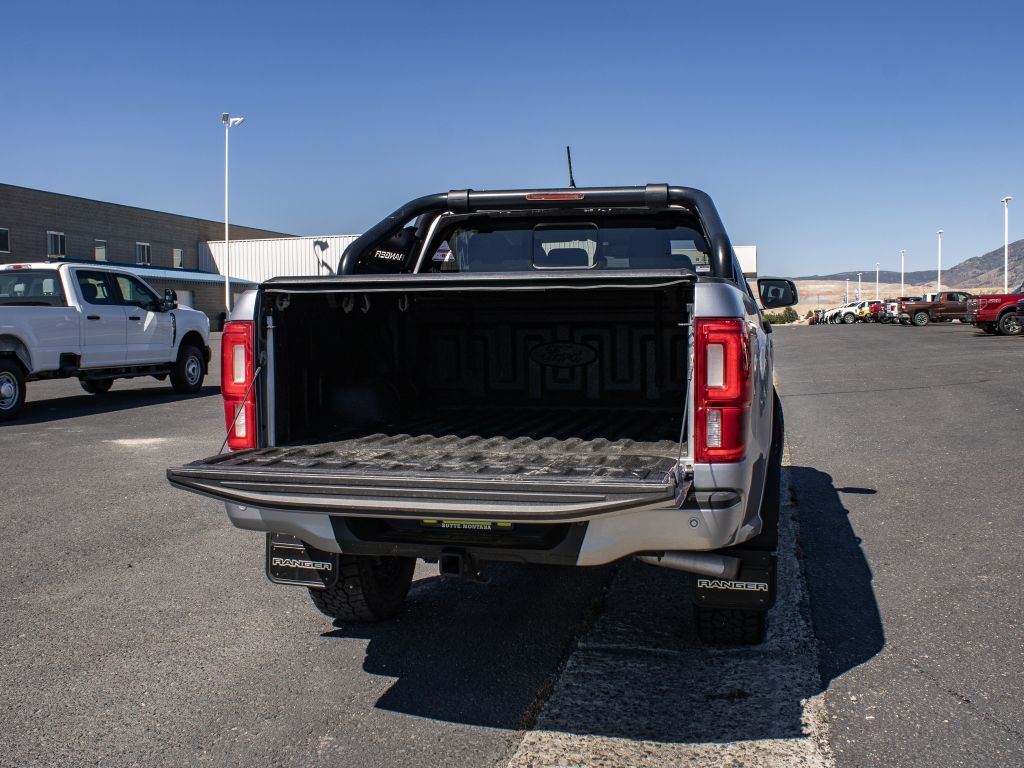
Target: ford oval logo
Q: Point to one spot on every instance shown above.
(563, 354)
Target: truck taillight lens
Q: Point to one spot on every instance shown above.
(723, 389)
(236, 369)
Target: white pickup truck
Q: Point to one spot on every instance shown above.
(97, 323)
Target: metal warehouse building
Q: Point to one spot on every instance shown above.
(262, 259)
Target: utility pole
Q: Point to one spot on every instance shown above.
(1006, 243)
(877, 265)
(846, 296)
(903, 255)
(938, 274)
(229, 123)
(858, 285)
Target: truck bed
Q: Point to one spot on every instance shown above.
(502, 463)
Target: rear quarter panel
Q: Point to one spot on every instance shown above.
(746, 477)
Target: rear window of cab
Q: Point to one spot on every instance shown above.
(31, 288)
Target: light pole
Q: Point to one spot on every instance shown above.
(938, 274)
(1006, 243)
(903, 255)
(858, 285)
(877, 265)
(229, 123)
(846, 296)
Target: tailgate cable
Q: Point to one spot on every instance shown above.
(682, 474)
(246, 397)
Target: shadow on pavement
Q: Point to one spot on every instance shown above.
(480, 655)
(843, 607)
(59, 408)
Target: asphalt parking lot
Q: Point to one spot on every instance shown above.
(139, 628)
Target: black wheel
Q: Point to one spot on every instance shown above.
(188, 371)
(849, 318)
(368, 589)
(12, 388)
(920, 319)
(98, 386)
(730, 626)
(1008, 324)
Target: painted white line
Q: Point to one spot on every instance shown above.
(138, 442)
(640, 690)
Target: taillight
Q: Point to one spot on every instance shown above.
(236, 372)
(722, 390)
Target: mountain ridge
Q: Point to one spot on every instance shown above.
(977, 271)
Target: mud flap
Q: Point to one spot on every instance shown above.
(290, 561)
(752, 589)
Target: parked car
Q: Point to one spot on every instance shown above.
(867, 311)
(493, 412)
(943, 307)
(97, 323)
(995, 313)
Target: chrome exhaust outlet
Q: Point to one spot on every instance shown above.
(701, 563)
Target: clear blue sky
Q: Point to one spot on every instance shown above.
(831, 135)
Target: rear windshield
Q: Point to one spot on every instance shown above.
(512, 246)
(31, 288)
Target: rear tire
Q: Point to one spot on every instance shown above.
(97, 386)
(920, 319)
(730, 626)
(189, 371)
(369, 589)
(12, 388)
(1008, 324)
(849, 318)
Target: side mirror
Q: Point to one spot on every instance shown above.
(170, 300)
(776, 292)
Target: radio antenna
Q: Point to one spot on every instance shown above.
(568, 157)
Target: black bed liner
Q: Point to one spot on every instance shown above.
(539, 464)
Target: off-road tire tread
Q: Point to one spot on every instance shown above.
(357, 596)
(730, 626)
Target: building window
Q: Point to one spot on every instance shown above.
(99, 249)
(5, 241)
(55, 244)
(142, 253)
(178, 258)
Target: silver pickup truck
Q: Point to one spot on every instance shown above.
(551, 376)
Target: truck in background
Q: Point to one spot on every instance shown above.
(995, 313)
(96, 323)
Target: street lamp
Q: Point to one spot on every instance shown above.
(846, 296)
(938, 274)
(1006, 243)
(877, 265)
(858, 285)
(229, 123)
(903, 255)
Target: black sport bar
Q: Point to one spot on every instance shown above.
(652, 196)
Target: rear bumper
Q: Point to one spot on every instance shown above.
(706, 521)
